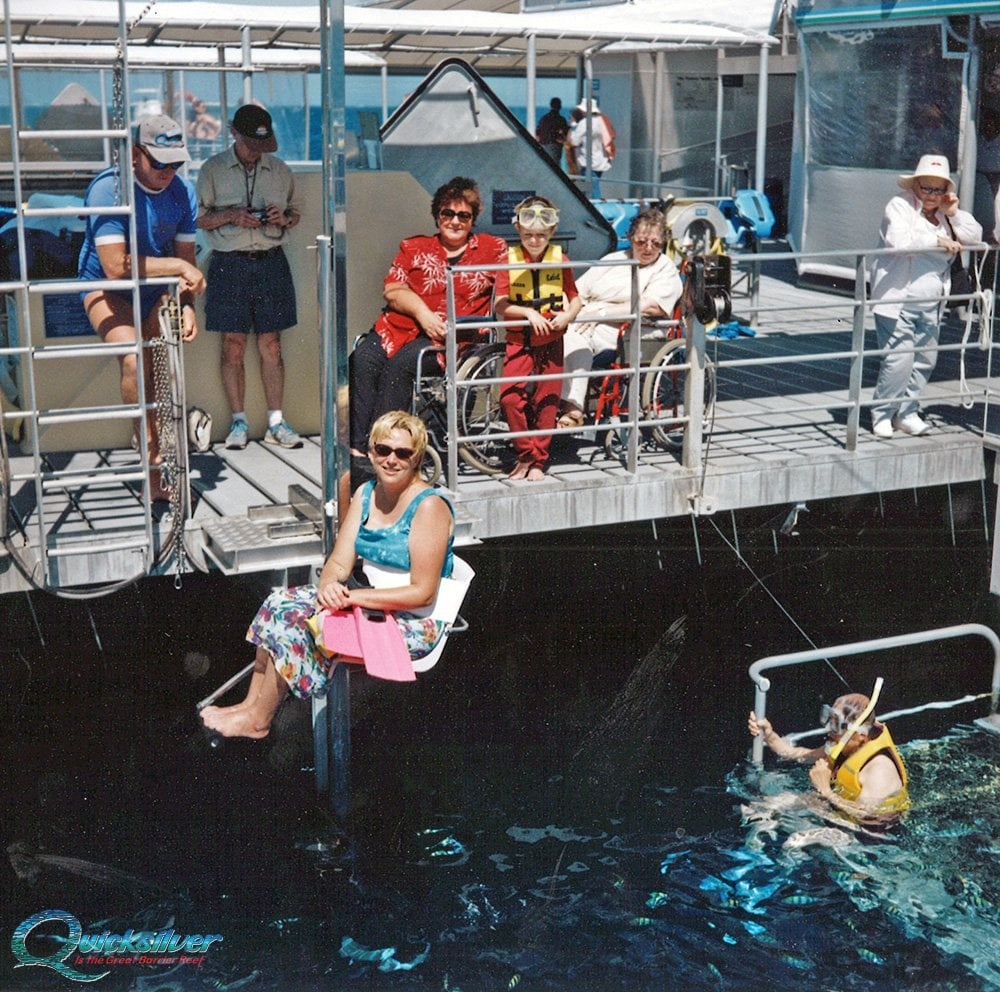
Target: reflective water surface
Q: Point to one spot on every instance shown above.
(563, 803)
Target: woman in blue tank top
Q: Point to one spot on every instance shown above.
(398, 521)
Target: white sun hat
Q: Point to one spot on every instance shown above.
(930, 167)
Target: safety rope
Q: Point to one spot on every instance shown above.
(763, 585)
(979, 306)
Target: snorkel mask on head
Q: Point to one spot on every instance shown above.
(835, 719)
(536, 214)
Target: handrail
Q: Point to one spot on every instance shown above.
(850, 314)
(763, 684)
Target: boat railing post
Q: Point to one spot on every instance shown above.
(634, 360)
(451, 377)
(760, 711)
(857, 358)
(694, 383)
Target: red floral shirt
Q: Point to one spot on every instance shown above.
(421, 265)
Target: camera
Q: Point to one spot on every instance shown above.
(260, 214)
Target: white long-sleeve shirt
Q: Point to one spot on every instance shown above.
(923, 276)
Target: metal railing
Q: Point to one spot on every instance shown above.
(817, 314)
(763, 684)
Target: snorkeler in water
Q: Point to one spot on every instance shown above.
(858, 770)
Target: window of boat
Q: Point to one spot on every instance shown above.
(880, 99)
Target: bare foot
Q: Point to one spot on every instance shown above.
(233, 721)
(536, 474)
(521, 471)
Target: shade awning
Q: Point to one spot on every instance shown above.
(406, 36)
(822, 13)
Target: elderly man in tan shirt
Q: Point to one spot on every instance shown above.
(246, 208)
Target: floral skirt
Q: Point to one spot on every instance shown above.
(280, 629)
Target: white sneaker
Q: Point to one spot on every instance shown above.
(237, 437)
(910, 424)
(882, 428)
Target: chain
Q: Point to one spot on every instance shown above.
(170, 417)
(118, 121)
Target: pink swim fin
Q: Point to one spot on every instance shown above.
(340, 634)
(383, 647)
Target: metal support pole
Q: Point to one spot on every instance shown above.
(332, 714)
(588, 102)
(717, 186)
(634, 360)
(658, 102)
(247, 62)
(694, 390)
(759, 165)
(529, 120)
(857, 362)
(995, 560)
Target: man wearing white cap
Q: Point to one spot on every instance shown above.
(245, 198)
(908, 289)
(165, 221)
(593, 158)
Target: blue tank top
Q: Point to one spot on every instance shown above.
(391, 545)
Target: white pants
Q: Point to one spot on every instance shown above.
(904, 374)
(581, 343)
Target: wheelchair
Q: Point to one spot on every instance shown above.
(662, 382)
(480, 415)
(663, 355)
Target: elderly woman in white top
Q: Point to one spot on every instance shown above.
(907, 289)
(606, 292)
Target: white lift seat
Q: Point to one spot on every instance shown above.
(451, 595)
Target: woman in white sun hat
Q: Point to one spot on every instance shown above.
(908, 289)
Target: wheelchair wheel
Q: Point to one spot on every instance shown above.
(479, 412)
(430, 467)
(616, 439)
(663, 393)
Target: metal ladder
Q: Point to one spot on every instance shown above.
(94, 553)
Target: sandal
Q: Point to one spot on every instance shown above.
(570, 418)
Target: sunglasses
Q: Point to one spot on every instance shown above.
(384, 450)
(647, 242)
(463, 215)
(933, 190)
(161, 166)
(526, 216)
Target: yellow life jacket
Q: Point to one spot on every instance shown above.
(540, 289)
(847, 780)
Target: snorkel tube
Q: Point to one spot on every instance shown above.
(856, 724)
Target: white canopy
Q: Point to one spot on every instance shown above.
(495, 39)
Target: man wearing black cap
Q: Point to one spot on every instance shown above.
(245, 201)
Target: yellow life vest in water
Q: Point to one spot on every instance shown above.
(847, 781)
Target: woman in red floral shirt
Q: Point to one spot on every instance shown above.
(383, 365)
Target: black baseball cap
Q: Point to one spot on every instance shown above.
(254, 125)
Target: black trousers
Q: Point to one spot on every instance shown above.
(380, 384)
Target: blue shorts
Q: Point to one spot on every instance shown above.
(149, 297)
(249, 291)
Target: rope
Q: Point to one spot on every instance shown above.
(981, 303)
(759, 581)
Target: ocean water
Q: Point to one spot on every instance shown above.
(563, 803)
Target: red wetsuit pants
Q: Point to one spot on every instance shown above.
(532, 406)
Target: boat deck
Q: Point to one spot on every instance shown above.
(779, 434)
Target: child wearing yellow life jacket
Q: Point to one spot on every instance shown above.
(546, 300)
